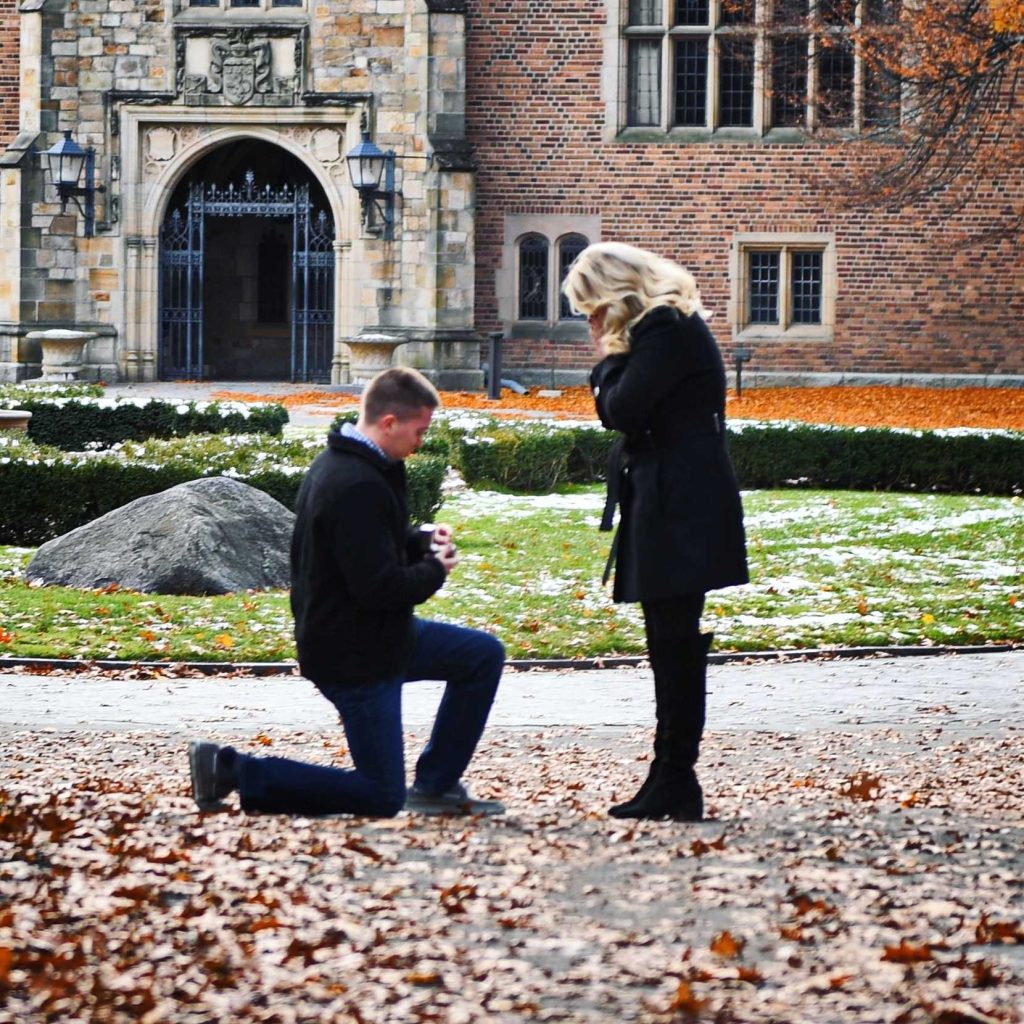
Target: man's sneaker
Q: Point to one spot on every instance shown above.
(457, 800)
(210, 781)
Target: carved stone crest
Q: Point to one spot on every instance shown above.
(238, 67)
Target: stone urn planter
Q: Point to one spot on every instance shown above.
(371, 353)
(62, 352)
(15, 419)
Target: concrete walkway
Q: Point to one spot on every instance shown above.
(975, 694)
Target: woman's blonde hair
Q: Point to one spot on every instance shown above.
(629, 283)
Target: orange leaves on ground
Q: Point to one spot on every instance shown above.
(359, 845)
(685, 1001)
(805, 905)
(999, 932)
(919, 408)
(727, 946)
(862, 786)
(453, 899)
(699, 847)
(224, 641)
(5, 636)
(907, 953)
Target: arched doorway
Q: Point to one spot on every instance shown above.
(247, 270)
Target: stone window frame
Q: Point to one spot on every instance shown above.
(867, 112)
(554, 228)
(785, 243)
(234, 7)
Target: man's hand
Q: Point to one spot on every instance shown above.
(443, 534)
(448, 556)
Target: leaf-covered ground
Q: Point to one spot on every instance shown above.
(922, 408)
(870, 875)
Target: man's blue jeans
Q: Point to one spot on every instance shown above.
(467, 660)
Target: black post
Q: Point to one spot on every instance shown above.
(494, 361)
(741, 355)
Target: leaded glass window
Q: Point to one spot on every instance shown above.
(692, 81)
(644, 71)
(806, 287)
(569, 248)
(533, 278)
(783, 286)
(764, 288)
(789, 81)
(751, 65)
(736, 83)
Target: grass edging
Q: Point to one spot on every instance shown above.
(276, 668)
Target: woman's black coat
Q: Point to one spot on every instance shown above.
(681, 518)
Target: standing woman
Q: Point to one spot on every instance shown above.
(661, 384)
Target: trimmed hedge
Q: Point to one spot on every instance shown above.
(79, 422)
(872, 459)
(521, 457)
(45, 492)
(529, 457)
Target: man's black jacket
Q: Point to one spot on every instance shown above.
(356, 570)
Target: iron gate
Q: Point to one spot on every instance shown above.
(182, 254)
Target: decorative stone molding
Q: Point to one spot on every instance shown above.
(161, 144)
(113, 98)
(453, 154)
(240, 66)
(164, 144)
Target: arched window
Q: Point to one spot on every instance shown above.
(533, 278)
(569, 247)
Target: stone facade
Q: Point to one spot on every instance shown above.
(158, 87)
(506, 119)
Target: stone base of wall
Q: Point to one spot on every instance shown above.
(15, 373)
(543, 378)
(871, 380)
(455, 380)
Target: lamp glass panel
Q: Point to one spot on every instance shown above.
(68, 169)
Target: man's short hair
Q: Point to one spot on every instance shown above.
(401, 391)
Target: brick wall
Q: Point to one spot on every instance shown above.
(9, 74)
(912, 296)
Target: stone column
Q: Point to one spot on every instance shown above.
(139, 350)
(451, 187)
(342, 310)
(18, 357)
(149, 299)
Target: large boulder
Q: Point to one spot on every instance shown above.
(209, 536)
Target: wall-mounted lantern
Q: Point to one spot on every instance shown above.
(71, 170)
(368, 164)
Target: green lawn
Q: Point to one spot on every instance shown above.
(828, 569)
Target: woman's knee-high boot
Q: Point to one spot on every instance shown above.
(672, 789)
